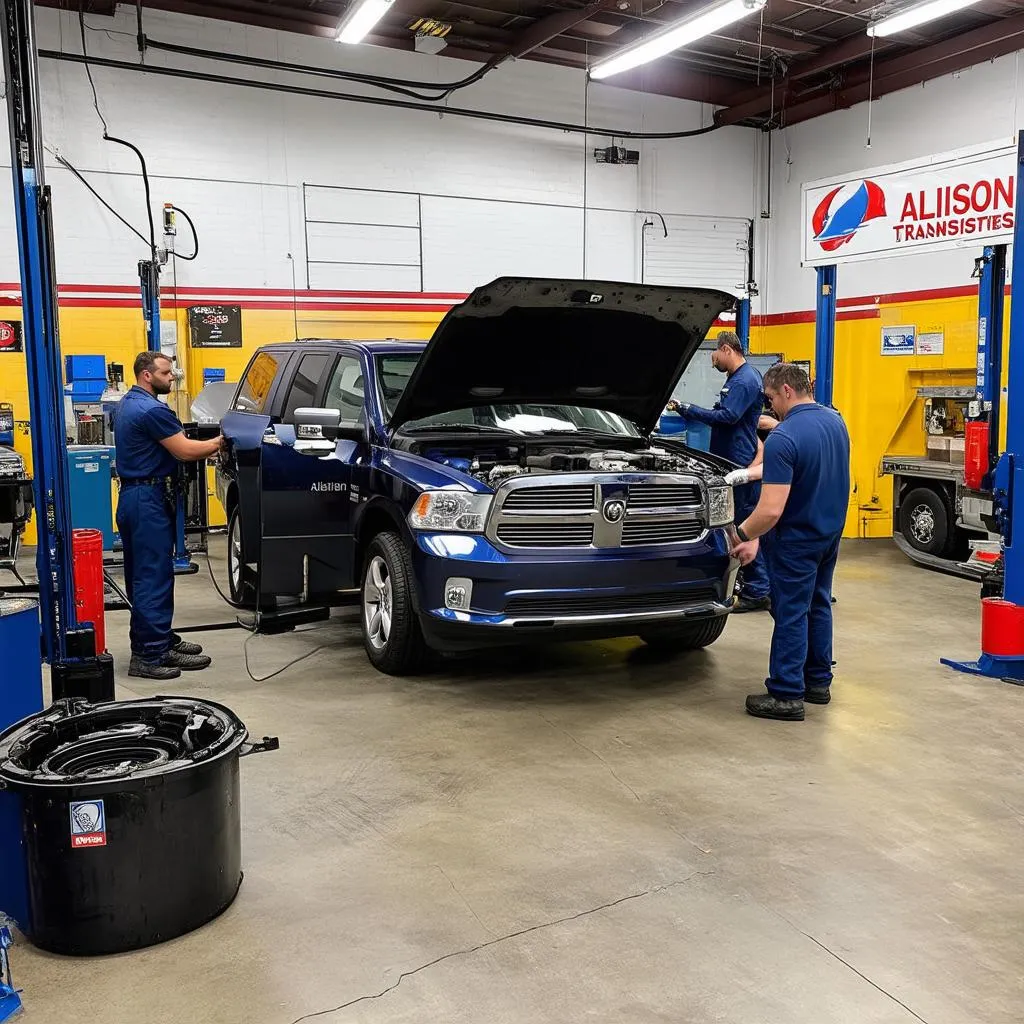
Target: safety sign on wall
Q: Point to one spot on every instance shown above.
(899, 341)
(215, 326)
(88, 824)
(942, 202)
(10, 336)
(931, 343)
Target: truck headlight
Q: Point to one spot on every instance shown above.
(721, 511)
(457, 511)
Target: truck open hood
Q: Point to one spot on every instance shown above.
(603, 345)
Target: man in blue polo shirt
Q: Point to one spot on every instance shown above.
(800, 519)
(149, 443)
(733, 423)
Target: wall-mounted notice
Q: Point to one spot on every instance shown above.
(898, 341)
(931, 343)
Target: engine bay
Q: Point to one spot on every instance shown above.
(493, 464)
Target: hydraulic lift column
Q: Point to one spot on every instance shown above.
(743, 323)
(825, 335)
(1002, 619)
(69, 648)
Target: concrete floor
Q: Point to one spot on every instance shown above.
(589, 833)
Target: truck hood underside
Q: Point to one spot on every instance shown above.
(616, 347)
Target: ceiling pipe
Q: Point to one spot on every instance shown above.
(954, 54)
(896, 78)
(748, 103)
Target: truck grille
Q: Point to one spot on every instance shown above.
(552, 605)
(546, 535)
(644, 496)
(636, 532)
(570, 498)
(586, 511)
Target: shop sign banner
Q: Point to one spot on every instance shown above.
(948, 201)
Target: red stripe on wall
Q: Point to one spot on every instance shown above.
(124, 296)
(809, 316)
(324, 307)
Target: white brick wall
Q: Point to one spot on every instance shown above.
(237, 160)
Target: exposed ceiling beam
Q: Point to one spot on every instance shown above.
(546, 28)
(748, 103)
(986, 43)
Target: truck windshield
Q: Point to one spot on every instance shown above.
(394, 371)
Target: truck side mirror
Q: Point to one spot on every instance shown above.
(325, 425)
(316, 424)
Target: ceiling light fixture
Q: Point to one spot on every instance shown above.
(706, 22)
(361, 16)
(914, 16)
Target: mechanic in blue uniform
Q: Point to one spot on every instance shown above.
(733, 423)
(149, 443)
(799, 520)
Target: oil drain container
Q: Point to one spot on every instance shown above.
(130, 825)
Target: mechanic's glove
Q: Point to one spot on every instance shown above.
(737, 477)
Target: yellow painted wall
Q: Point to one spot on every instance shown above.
(119, 335)
(875, 393)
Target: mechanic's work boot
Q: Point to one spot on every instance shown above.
(188, 662)
(752, 604)
(180, 646)
(817, 694)
(764, 705)
(152, 669)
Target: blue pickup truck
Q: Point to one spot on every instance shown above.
(498, 484)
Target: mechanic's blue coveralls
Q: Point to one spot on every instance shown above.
(733, 423)
(146, 517)
(810, 451)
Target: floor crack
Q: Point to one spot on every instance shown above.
(860, 974)
(468, 905)
(653, 891)
(595, 754)
(846, 963)
(625, 785)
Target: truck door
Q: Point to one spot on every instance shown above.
(308, 546)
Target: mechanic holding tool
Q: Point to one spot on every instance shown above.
(799, 518)
(149, 443)
(733, 423)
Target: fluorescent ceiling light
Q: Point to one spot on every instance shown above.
(361, 16)
(914, 16)
(706, 22)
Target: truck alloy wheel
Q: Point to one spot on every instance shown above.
(377, 601)
(391, 629)
(922, 523)
(926, 523)
(241, 589)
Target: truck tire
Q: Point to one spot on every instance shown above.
(391, 631)
(689, 636)
(241, 588)
(925, 522)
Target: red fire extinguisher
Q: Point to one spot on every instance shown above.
(975, 453)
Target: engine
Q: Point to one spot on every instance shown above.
(650, 460)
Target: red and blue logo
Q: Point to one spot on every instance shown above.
(844, 211)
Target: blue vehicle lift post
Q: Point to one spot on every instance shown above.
(991, 299)
(825, 335)
(743, 323)
(69, 647)
(1002, 629)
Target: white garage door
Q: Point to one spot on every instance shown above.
(703, 252)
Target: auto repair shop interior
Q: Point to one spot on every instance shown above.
(437, 290)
